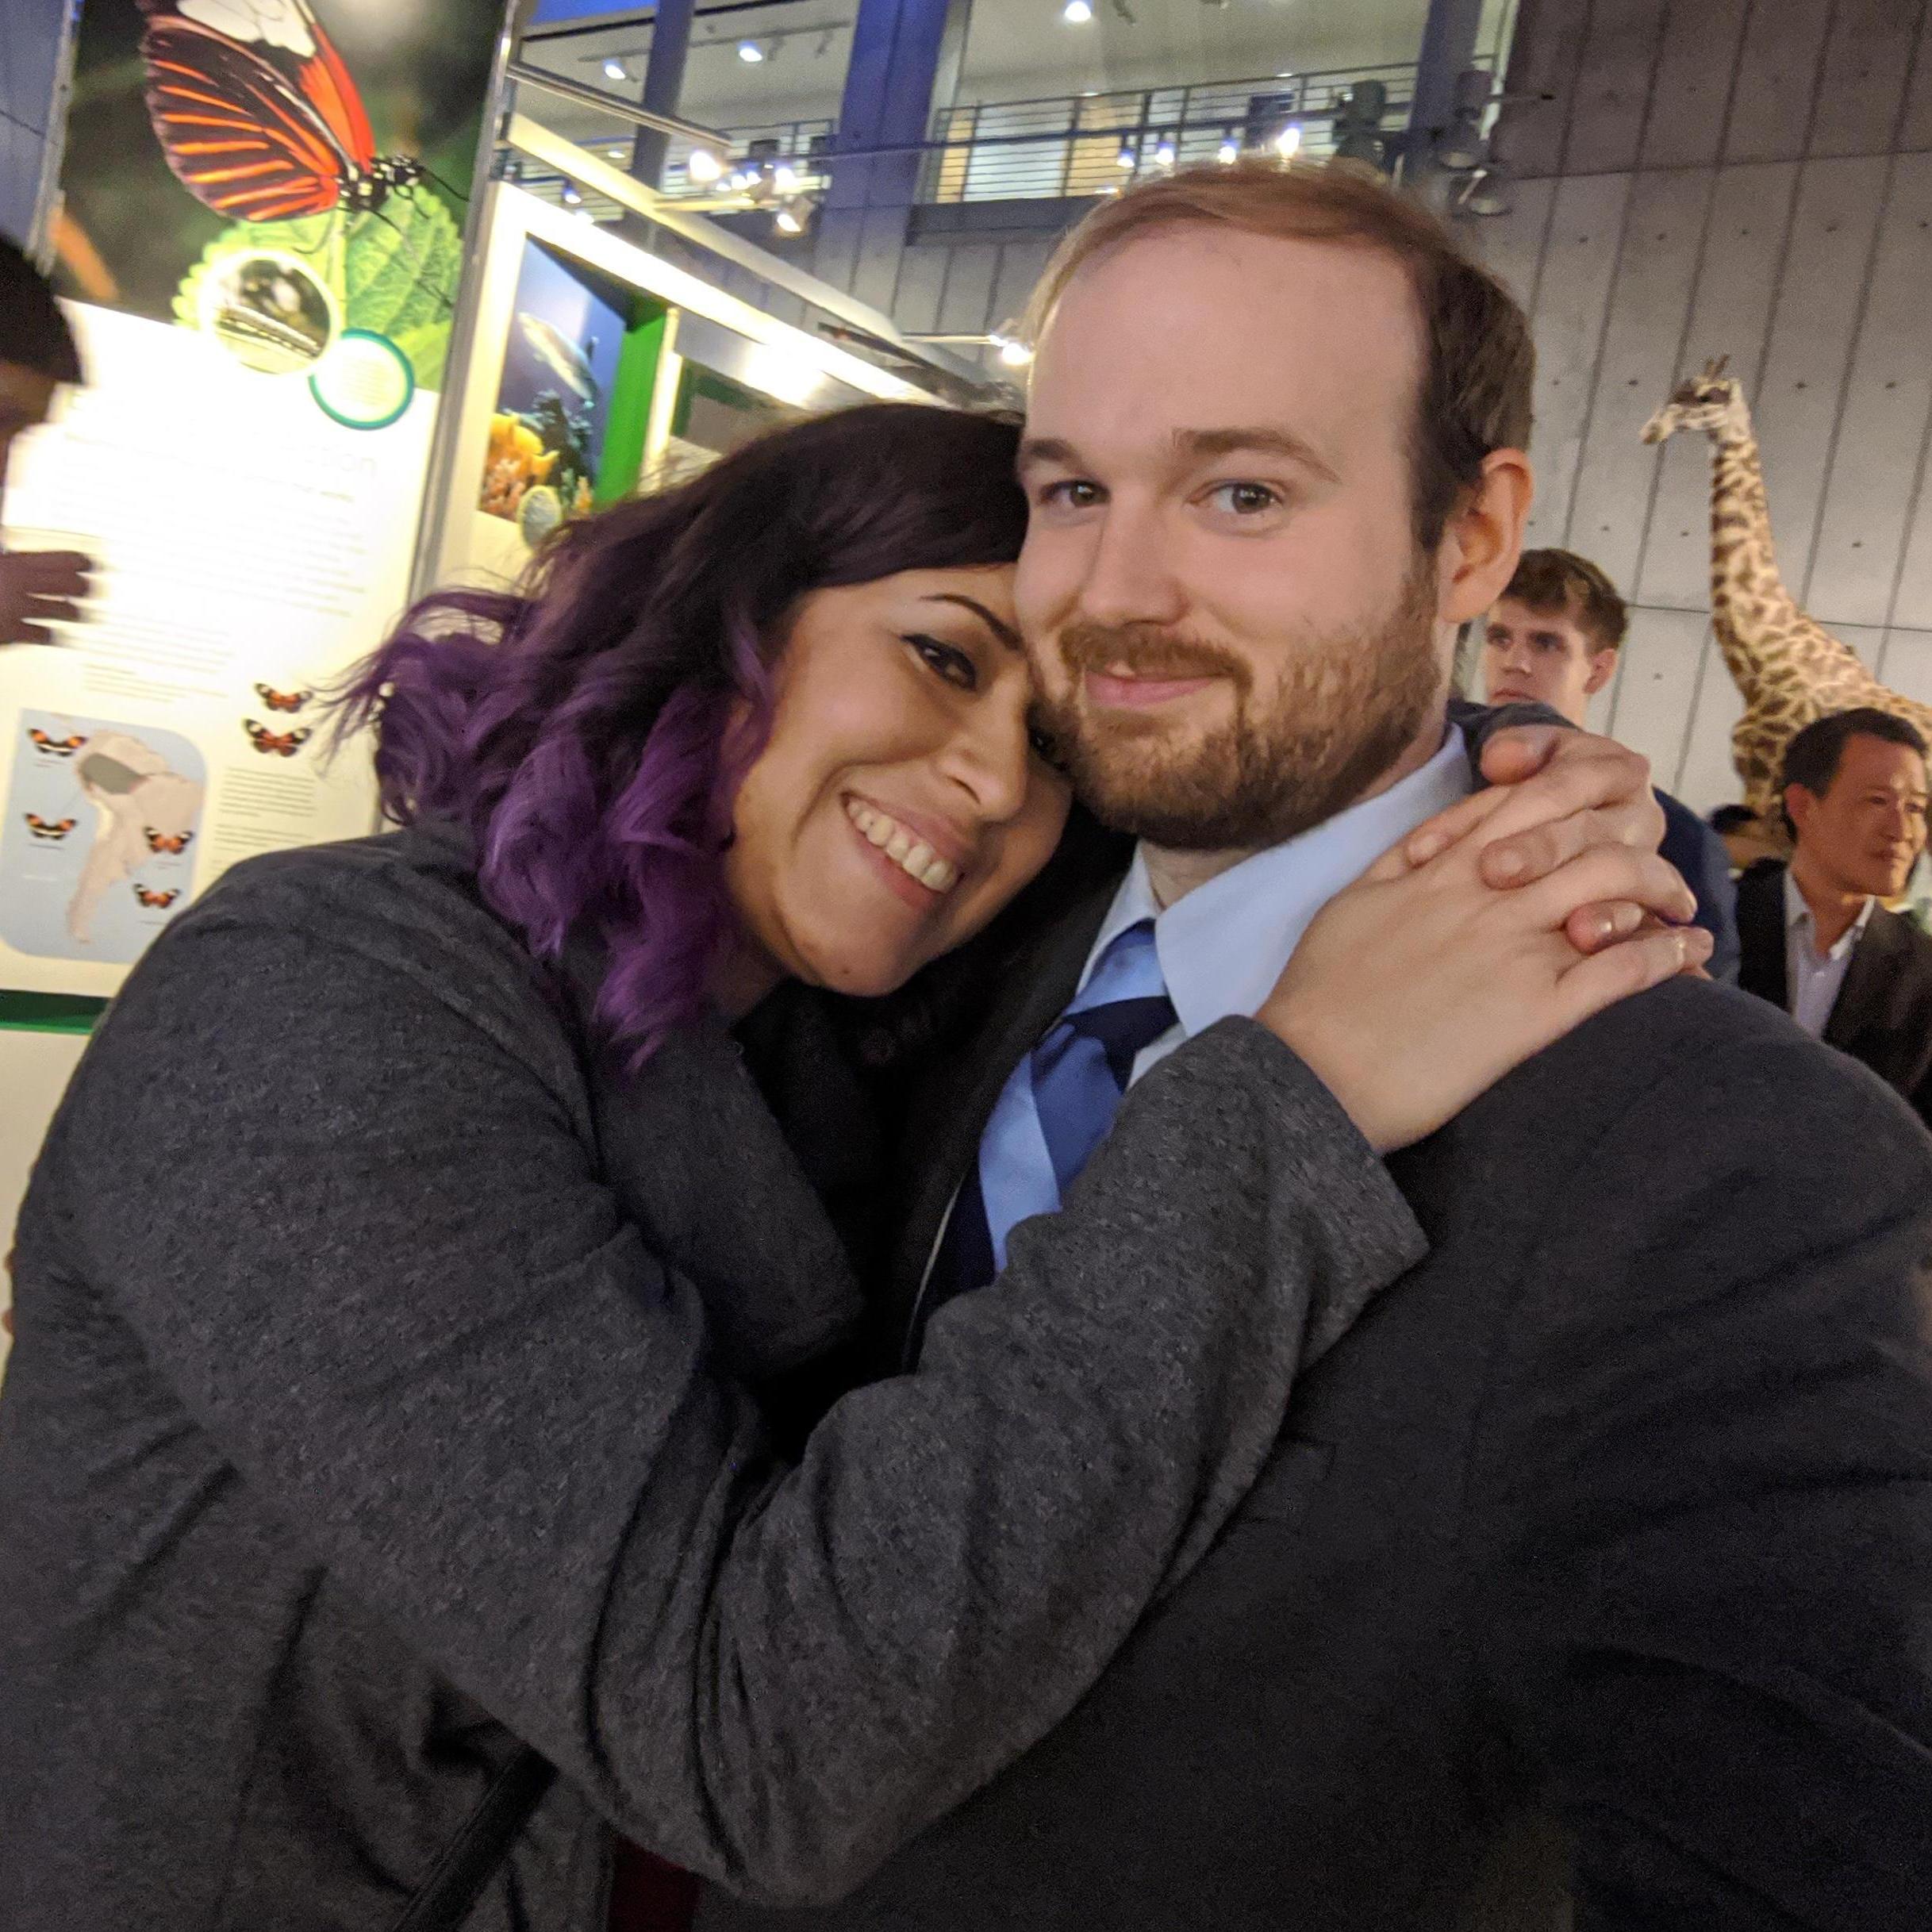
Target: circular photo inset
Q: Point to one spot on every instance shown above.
(270, 312)
(365, 382)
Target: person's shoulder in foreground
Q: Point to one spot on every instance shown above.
(1594, 1560)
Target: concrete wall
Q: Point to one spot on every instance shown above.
(30, 46)
(1748, 178)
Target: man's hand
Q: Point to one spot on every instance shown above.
(41, 587)
(1554, 793)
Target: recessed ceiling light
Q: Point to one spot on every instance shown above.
(751, 52)
(616, 70)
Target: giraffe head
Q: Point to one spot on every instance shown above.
(1713, 402)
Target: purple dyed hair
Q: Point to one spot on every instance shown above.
(592, 730)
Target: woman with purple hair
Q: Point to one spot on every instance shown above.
(415, 1270)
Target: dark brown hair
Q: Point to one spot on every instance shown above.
(1553, 581)
(1480, 362)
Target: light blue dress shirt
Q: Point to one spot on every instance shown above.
(1222, 947)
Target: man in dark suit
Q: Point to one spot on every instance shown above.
(1817, 942)
(1593, 1570)
(1553, 638)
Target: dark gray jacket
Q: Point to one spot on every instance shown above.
(370, 1412)
(1592, 1571)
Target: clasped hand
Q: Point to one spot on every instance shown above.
(1490, 932)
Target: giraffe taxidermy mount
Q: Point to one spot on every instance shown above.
(1788, 667)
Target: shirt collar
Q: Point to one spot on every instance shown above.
(1223, 947)
(1798, 917)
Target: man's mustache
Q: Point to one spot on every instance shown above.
(1145, 651)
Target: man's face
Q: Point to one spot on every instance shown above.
(26, 400)
(1862, 835)
(1234, 631)
(1543, 657)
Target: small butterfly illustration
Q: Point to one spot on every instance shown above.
(282, 700)
(168, 841)
(46, 828)
(160, 900)
(56, 747)
(284, 744)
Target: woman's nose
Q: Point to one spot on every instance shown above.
(989, 759)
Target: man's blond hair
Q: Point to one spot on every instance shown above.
(1479, 362)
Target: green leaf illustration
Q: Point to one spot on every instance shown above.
(394, 271)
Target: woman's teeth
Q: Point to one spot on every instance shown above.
(910, 854)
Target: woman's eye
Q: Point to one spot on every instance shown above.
(947, 660)
(1046, 747)
(1244, 499)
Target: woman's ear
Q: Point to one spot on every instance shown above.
(1482, 542)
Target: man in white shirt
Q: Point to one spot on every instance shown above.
(1817, 938)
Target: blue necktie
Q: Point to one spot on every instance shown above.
(1074, 1078)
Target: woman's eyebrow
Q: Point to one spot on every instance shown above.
(1004, 631)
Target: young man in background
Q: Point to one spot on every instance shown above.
(1552, 638)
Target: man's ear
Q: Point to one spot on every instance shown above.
(1482, 542)
(1603, 668)
(1800, 802)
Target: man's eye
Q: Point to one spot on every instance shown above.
(946, 660)
(1244, 499)
(1072, 493)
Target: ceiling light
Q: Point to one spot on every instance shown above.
(787, 220)
(584, 214)
(784, 179)
(1078, 13)
(1288, 142)
(573, 196)
(616, 70)
(1163, 155)
(751, 52)
(1229, 152)
(1125, 157)
(701, 164)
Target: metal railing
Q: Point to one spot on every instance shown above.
(1090, 145)
(1063, 146)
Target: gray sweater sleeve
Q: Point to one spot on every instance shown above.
(359, 1230)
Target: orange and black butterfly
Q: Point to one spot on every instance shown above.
(168, 841)
(270, 745)
(282, 700)
(49, 828)
(55, 747)
(160, 900)
(259, 118)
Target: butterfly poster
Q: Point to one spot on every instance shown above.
(289, 177)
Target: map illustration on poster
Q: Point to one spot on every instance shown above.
(97, 845)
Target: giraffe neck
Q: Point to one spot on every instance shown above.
(1752, 612)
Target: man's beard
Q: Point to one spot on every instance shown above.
(1342, 708)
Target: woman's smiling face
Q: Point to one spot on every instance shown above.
(901, 799)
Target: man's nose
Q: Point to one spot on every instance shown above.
(1130, 576)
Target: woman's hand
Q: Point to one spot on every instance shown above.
(1554, 793)
(1421, 986)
